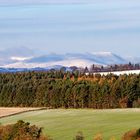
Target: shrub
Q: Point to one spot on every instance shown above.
(79, 136)
(21, 131)
(98, 137)
(132, 135)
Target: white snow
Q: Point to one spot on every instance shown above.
(66, 63)
(121, 72)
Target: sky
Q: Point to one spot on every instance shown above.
(70, 26)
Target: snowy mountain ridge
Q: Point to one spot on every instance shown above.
(67, 60)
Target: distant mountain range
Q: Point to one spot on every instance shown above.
(67, 60)
(28, 61)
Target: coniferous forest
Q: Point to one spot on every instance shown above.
(58, 89)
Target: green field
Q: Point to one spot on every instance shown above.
(63, 124)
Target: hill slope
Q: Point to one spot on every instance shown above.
(64, 124)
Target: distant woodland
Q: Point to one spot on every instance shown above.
(58, 89)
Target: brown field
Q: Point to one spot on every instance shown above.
(8, 111)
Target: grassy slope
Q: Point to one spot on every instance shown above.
(64, 124)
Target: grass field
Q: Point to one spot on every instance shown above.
(63, 124)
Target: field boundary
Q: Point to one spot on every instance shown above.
(24, 111)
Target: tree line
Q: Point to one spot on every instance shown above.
(110, 68)
(58, 89)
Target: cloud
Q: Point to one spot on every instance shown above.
(104, 25)
(43, 1)
(20, 58)
(17, 51)
(13, 2)
(13, 55)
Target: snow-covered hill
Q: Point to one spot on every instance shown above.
(67, 60)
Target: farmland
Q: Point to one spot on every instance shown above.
(8, 111)
(63, 124)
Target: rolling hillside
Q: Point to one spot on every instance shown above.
(63, 124)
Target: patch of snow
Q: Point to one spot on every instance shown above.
(121, 72)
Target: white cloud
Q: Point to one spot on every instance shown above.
(42, 1)
(106, 25)
(20, 58)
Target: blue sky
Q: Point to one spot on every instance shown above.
(51, 26)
